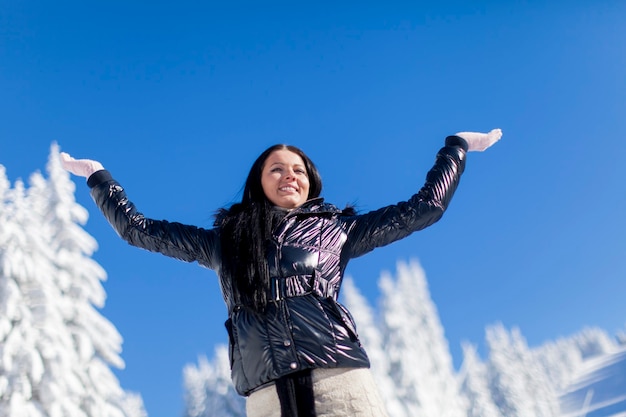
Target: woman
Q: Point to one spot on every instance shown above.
(280, 255)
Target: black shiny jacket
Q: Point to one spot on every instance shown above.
(303, 326)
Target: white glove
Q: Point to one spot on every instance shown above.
(80, 167)
(480, 141)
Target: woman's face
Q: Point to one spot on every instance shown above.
(284, 179)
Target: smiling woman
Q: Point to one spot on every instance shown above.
(280, 255)
(285, 179)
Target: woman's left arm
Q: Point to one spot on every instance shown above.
(388, 224)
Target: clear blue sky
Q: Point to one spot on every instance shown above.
(177, 99)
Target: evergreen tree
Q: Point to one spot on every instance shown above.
(621, 337)
(371, 338)
(519, 386)
(5, 232)
(560, 359)
(593, 341)
(209, 391)
(419, 356)
(475, 385)
(21, 366)
(57, 350)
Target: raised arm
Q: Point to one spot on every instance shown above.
(388, 224)
(188, 243)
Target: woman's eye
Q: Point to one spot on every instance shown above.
(277, 169)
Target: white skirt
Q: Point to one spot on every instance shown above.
(339, 392)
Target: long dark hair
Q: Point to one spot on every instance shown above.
(245, 229)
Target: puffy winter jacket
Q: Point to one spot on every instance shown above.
(303, 326)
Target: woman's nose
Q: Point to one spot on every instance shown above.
(289, 173)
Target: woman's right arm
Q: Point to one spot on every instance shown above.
(184, 242)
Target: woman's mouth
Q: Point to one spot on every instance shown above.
(288, 189)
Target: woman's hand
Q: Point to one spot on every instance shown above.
(80, 167)
(480, 141)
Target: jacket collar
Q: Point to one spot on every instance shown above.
(314, 205)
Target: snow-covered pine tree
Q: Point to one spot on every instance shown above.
(593, 341)
(560, 359)
(519, 385)
(371, 338)
(419, 356)
(61, 363)
(5, 321)
(95, 339)
(21, 366)
(475, 385)
(209, 391)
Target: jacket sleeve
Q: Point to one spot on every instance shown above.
(386, 225)
(187, 243)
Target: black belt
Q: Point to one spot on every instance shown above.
(299, 285)
(295, 394)
(292, 286)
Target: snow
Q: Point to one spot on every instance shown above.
(598, 388)
(209, 390)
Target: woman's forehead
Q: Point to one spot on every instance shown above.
(284, 156)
